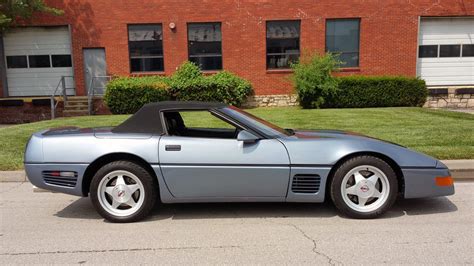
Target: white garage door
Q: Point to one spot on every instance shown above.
(36, 59)
(446, 51)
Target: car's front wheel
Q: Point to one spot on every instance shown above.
(123, 191)
(364, 187)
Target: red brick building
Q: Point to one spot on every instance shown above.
(254, 39)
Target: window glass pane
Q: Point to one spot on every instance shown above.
(283, 46)
(17, 61)
(281, 61)
(428, 51)
(205, 45)
(203, 48)
(137, 33)
(349, 59)
(39, 61)
(283, 43)
(342, 36)
(204, 32)
(146, 47)
(61, 60)
(207, 62)
(283, 29)
(451, 50)
(467, 50)
(146, 64)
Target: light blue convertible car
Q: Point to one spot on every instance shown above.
(164, 153)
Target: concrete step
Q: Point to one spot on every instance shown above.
(77, 103)
(77, 99)
(82, 107)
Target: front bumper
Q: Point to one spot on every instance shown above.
(73, 186)
(421, 183)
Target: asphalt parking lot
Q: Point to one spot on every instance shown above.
(57, 228)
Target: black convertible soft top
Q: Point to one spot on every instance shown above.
(148, 119)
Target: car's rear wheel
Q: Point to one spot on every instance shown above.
(364, 187)
(123, 191)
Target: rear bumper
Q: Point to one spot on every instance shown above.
(72, 186)
(421, 183)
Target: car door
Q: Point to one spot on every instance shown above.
(223, 168)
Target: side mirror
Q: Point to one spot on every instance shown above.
(246, 137)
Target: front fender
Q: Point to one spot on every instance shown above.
(328, 151)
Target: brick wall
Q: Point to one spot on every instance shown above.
(388, 31)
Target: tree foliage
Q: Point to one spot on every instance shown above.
(11, 11)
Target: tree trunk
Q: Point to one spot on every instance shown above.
(3, 67)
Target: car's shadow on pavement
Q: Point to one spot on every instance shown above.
(83, 209)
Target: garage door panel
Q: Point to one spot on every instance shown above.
(446, 70)
(27, 50)
(37, 41)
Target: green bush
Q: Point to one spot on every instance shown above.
(125, 95)
(313, 81)
(363, 91)
(189, 84)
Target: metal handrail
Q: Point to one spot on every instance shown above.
(62, 84)
(91, 92)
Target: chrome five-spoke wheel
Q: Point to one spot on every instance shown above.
(121, 193)
(364, 187)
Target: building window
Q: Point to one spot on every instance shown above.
(467, 50)
(205, 45)
(145, 43)
(425, 51)
(17, 61)
(61, 60)
(450, 50)
(342, 38)
(283, 43)
(39, 61)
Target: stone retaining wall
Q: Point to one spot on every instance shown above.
(450, 100)
(271, 100)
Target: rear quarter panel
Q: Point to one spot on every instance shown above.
(85, 149)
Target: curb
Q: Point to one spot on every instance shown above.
(461, 170)
(13, 176)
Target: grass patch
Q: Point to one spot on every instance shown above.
(441, 134)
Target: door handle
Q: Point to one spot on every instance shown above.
(172, 147)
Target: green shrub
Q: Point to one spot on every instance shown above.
(125, 95)
(313, 81)
(362, 91)
(189, 84)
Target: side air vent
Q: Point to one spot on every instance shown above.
(60, 178)
(305, 183)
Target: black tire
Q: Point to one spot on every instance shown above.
(343, 170)
(150, 188)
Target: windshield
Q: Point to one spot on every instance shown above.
(265, 127)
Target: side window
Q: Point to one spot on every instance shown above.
(203, 119)
(203, 124)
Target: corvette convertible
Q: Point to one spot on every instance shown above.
(176, 152)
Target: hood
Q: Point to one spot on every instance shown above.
(326, 147)
(336, 134)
